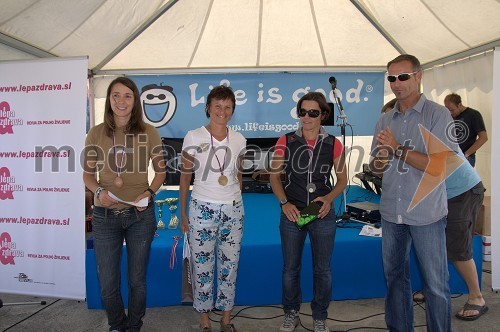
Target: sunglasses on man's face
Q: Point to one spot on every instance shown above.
(402, 77)
(311, 113)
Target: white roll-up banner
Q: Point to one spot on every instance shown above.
(43, 106)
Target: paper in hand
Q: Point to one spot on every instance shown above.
(142, 203)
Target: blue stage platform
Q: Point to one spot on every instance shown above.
(356, 262)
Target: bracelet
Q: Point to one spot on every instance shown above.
(153, 194)
(98, 191)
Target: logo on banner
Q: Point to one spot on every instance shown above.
(8, 250)
(23, 277)
(8, 119)
(8, 184)
(158, 104)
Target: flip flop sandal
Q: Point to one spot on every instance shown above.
(480, 309)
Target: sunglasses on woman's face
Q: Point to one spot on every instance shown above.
(311, 113)
(402, 77)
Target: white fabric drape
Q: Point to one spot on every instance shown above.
(472, 79)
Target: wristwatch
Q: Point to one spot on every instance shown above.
(98, 191)
(283, 201)
(400, 150)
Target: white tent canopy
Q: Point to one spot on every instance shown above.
(247, 35)
(219, 36)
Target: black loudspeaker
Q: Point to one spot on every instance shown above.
(172, 154)
(330, 120)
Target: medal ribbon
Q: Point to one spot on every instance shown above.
(310, 150)
(118, 168)
(173, 255)
(225, 154)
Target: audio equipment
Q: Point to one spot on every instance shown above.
(364, 211)
(253, 186)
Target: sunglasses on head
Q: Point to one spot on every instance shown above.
(311, 113)
(402, 77)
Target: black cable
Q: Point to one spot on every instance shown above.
(354, 181)
(239, 314)
(33, 314)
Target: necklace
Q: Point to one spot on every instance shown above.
(222, 178)
(311, 187)
(118, 181)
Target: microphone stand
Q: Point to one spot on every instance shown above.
(343, 123)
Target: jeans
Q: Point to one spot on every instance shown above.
(429, 242)
(322, 235)
(110, 227)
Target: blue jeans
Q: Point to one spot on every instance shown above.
(110, 227)
(322, 235)
(429, 242)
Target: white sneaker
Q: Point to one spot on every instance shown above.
(291, 321)
(319, 326)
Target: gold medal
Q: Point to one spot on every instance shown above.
(118, 182)
(223, 180)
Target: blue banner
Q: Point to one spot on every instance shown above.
(265, 102)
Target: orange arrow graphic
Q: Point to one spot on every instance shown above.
(442, 162)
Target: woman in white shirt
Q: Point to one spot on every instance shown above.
(214, 153)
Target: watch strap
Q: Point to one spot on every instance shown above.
(153, 194)
(98, 191)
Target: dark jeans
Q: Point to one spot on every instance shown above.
(322, 235)
(110, 228)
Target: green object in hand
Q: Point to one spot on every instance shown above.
(305, 219)
(308, 214)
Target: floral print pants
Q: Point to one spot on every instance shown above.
(214, 229)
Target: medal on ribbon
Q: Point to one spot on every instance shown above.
(223, 180)
(118, 181)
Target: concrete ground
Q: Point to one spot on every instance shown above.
(352, 315)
